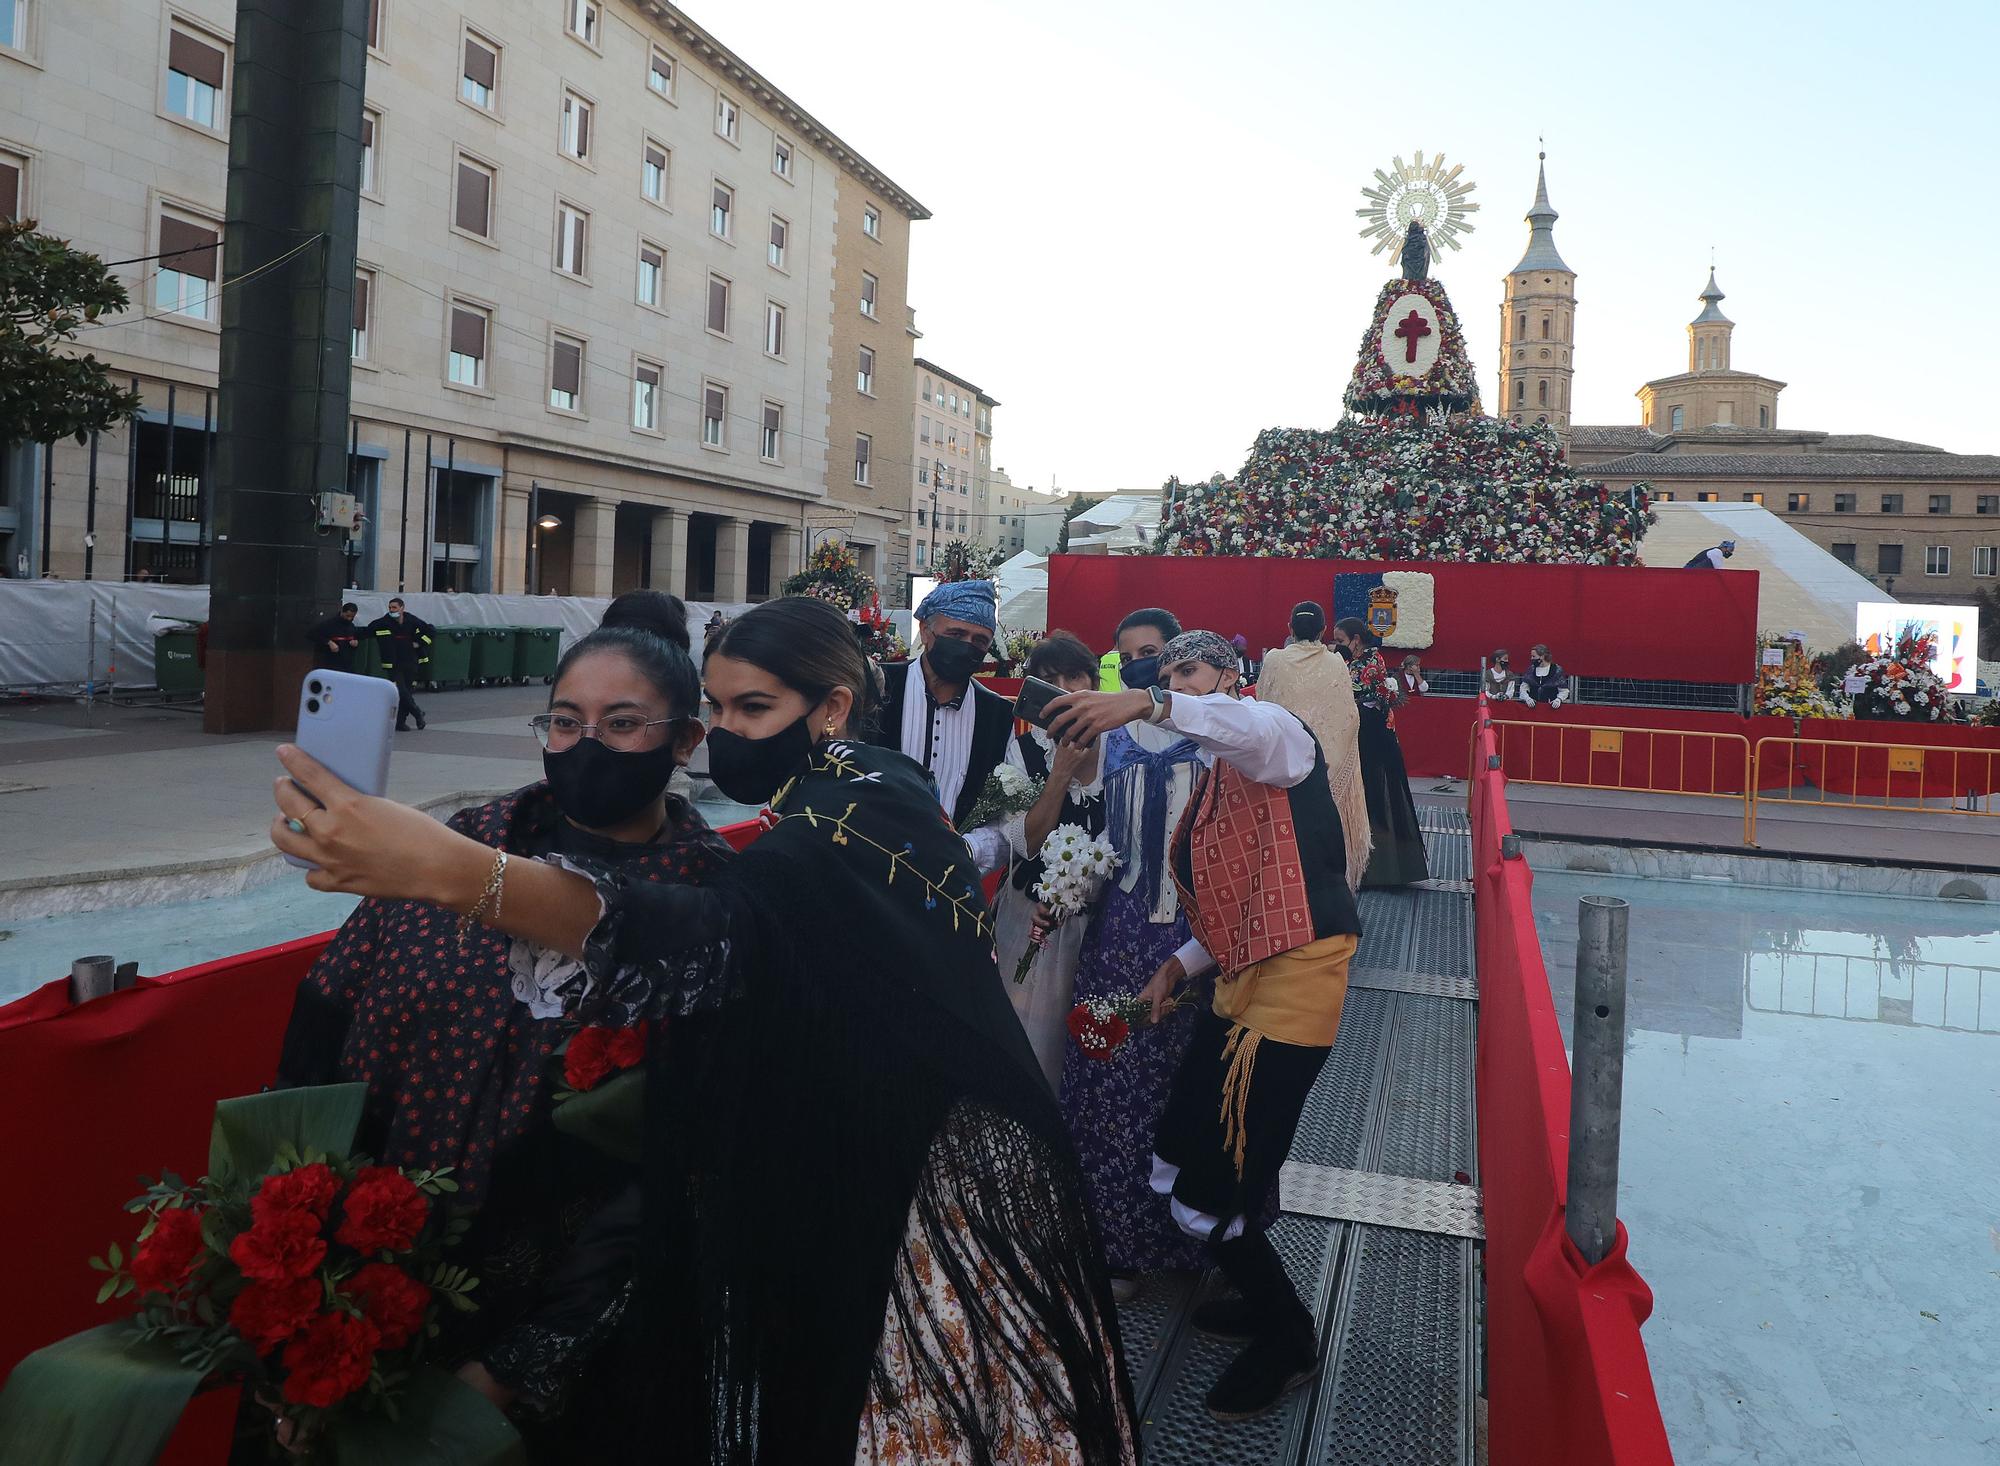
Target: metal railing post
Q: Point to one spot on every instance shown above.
(1597, 1074)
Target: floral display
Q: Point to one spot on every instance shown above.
(1416, 608)
(1377, 386)
(964, 560)
(1898, 683)
(595, 1053)
(1075, 866)
(314, 1280)
(1007, 791)
(1789, 688)
(1418, 488)
(834, 574)
(1102, 1026)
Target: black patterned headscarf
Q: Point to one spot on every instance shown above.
(1199, 646)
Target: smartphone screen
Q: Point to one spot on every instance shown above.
(1034, 699)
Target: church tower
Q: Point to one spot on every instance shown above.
(1538, 323)
(1708, 333)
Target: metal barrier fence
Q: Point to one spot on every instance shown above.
(1910, 778)
(1600, 756)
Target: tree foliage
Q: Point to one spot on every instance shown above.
(1075, 507)
(48, 293)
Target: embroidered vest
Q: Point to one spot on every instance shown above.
(1262, 870)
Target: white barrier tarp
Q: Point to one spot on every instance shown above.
(63, 633)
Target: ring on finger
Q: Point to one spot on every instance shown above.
(296, 826)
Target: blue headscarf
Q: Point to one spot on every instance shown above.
(974, 601)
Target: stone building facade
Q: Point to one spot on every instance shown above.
(609, 309)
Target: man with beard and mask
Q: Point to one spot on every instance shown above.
(1260, 862)
(404, 641)
(935, 713)
(458, 1051)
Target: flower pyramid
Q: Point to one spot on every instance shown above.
(1413, 472)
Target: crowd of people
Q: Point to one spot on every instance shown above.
(886, 1209)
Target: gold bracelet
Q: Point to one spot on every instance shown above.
(491, 895)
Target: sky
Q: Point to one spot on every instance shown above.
(1144, 241)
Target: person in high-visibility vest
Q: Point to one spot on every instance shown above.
(405, 643)
(1107, 672)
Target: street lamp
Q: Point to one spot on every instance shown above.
(538, 522)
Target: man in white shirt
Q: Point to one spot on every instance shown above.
(1260, 864)
(1711, 559)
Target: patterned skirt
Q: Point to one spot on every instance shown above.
(1114, 1106)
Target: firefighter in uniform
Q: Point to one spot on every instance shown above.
(335, 640)
(404, 641)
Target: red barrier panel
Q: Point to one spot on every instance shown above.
(1871, 774)
(1568, 1376)
(1601, 621)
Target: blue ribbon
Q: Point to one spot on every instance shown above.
(1121, 752)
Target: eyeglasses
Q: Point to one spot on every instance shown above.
(621, 733)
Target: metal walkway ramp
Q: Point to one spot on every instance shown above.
(1377, 1237)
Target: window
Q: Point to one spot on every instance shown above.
(1888, 559)
(1666, 497)
(566, 374)
(714, 415)
(1892, 503)
(1844, 553)
(1545, 328)
(1937, 559)
(1542, 394)
(924, 432)
(14, 25)
(473, 209)
(1798, 503)
(1675, 419)
(479, 82)
(1521, 323)
(781, 159)
(869, 287)
(774, 432)
(653, 167)
(863, 446)
(720, 208)
(1708, 497)
(195, 66)
(371, 126)
(780, 232)
(468, 345)
(923, 477)
(871, 221)
(1753, 498)
(660, 74)
(1984, 558)
(652, 273)
(582, 20)
(13, 183)
(646, 396)
(191, 263)
(921, 548)
(727, 117)
(927, 389)
(1520, 393)
(576, 126)
(1988, 504)
(1843, 503)
(864, 376)
(718, 305)
(374, 25)
(364, 290)
(572, 230)
(1940, 503)
(774, 329)
(1763, 417)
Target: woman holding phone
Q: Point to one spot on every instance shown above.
(864, 1236)
(458, 1061)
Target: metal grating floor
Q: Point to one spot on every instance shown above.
(1398, 1309)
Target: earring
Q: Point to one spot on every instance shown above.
(829, 725)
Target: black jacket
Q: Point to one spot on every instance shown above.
(403, 643)
(992, 725)
(346, 637)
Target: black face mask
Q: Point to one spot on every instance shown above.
(598, 787)
(751, 770)
(1140, 673)
(952, 660)
(1346, 651)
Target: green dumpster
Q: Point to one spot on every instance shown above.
(492, 654)
(535, 653)
(177, 669)
(368, 659)
(451, 656)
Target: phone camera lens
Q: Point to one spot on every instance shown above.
(313, 688)
(312, 704)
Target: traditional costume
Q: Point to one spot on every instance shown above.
(1260, 863)
(1397, 854)
(1544, 682)
(1310, 679)
(962, 741)
(864, 1236)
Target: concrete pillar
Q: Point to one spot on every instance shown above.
(784, 556)
(670, 551)
(590, 559)
(510, 539)
(732, 560)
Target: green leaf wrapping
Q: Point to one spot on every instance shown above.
(250, 1130)
(98, 1398)
(441, 1422)
(611, 1117)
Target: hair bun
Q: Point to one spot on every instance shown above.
(664, 615)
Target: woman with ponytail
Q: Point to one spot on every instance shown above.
(863, 1234)
(457, 1050)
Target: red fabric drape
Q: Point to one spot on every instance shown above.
(1568, 1377)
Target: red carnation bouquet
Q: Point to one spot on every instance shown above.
(1102, 1026)
(600, 1093)
(297, 1269)
(593, 1054)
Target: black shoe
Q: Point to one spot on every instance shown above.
(1262, 1375)
(1227, 1318)
(421, 724)
(402, 727)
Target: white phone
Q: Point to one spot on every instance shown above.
(348, 723)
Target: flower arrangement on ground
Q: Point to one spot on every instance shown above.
(1788, 688)
(833, 573)
(964, 560)
(1075, 866)
(1898, 684)
(1007, 791)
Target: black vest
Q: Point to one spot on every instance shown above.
(992, 722)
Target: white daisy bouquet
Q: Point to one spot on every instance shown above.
(1007, 791)
(1075, 866)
